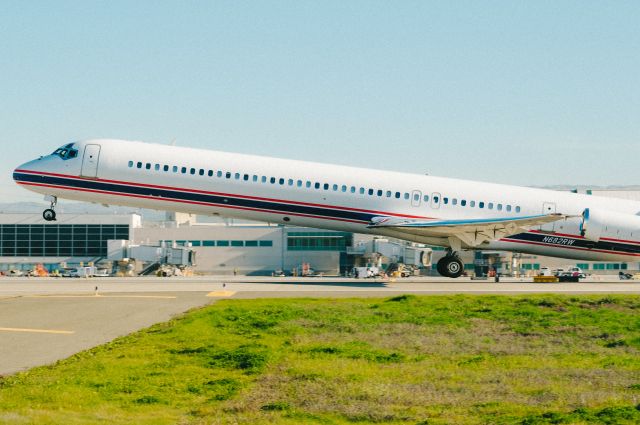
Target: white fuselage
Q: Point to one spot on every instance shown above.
(318, 195)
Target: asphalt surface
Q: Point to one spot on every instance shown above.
(43, 320)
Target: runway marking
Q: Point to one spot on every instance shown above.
(221, 293)
(160, 297)
(42, 331)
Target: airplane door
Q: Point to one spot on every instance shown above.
(548, 208)
(90, 161)
(435, 200)
(416, 198)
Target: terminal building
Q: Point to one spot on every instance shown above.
(228, 247)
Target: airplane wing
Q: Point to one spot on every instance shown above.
(472, 232)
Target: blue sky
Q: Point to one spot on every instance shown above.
(529, 93)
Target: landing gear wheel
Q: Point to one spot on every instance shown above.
(49, 214)
(450, 266)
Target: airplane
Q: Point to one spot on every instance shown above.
(452, 213)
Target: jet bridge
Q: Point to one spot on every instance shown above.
(118, 250)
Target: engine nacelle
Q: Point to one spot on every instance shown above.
(597, 223)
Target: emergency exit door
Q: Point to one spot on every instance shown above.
(548, 208)
(90, 161)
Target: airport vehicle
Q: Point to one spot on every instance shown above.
(572, 271)
(456, 214)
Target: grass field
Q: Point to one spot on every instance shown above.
(423, 360)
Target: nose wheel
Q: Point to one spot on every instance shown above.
(50, 214)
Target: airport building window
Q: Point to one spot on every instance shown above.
(318, 241)
(208, 243)
(59, 240)
(222, 243)
(237, 243)
(250, 243)
(195, 243)
(265, 243)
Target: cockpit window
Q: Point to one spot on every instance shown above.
(66, 152)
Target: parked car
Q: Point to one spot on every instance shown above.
(573, 272)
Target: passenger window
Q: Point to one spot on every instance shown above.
(325, 186)
(308, 184)
(201, 172)
(472, 204)
(480, 204)
(335, 187)
(370, 191)
(157, 167)
(508, 208)
(210, 173)
(165, 168)
(499, 207)
(237, 176)
(406, 195)
(416, 197)
(445, 200)
(175, 168)
(264, 179)
(255, 178)
(353, 189)
(490, 206)
(228, 174)
(463, 203)
(517, 209)
(397, 195)
(219, 173)
(299, 183)
(272, 180)
(436, 199)
(130, 164)
(193, 171)
(379, 192)
(281, 181)
(317, 185)
(388, 194)
(290, 182)
(184, 170)
(344, 188)
(362, 191)
(454, 201)
(148, 166)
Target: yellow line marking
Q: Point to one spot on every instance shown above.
(161, 297)
(42, 331)
(221, 293)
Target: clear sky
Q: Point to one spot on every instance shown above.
(530, 93)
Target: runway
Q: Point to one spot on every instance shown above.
(45, 320)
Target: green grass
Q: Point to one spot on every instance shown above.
(424, 360)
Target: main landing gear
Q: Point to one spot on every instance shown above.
(50, 214)
(450, 265)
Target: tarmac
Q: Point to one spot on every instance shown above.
(43, 320)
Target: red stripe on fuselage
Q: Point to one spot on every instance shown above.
(231, 195)
(156, 198)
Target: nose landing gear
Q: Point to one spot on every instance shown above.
(50, 214)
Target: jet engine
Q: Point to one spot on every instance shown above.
(597, 223)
